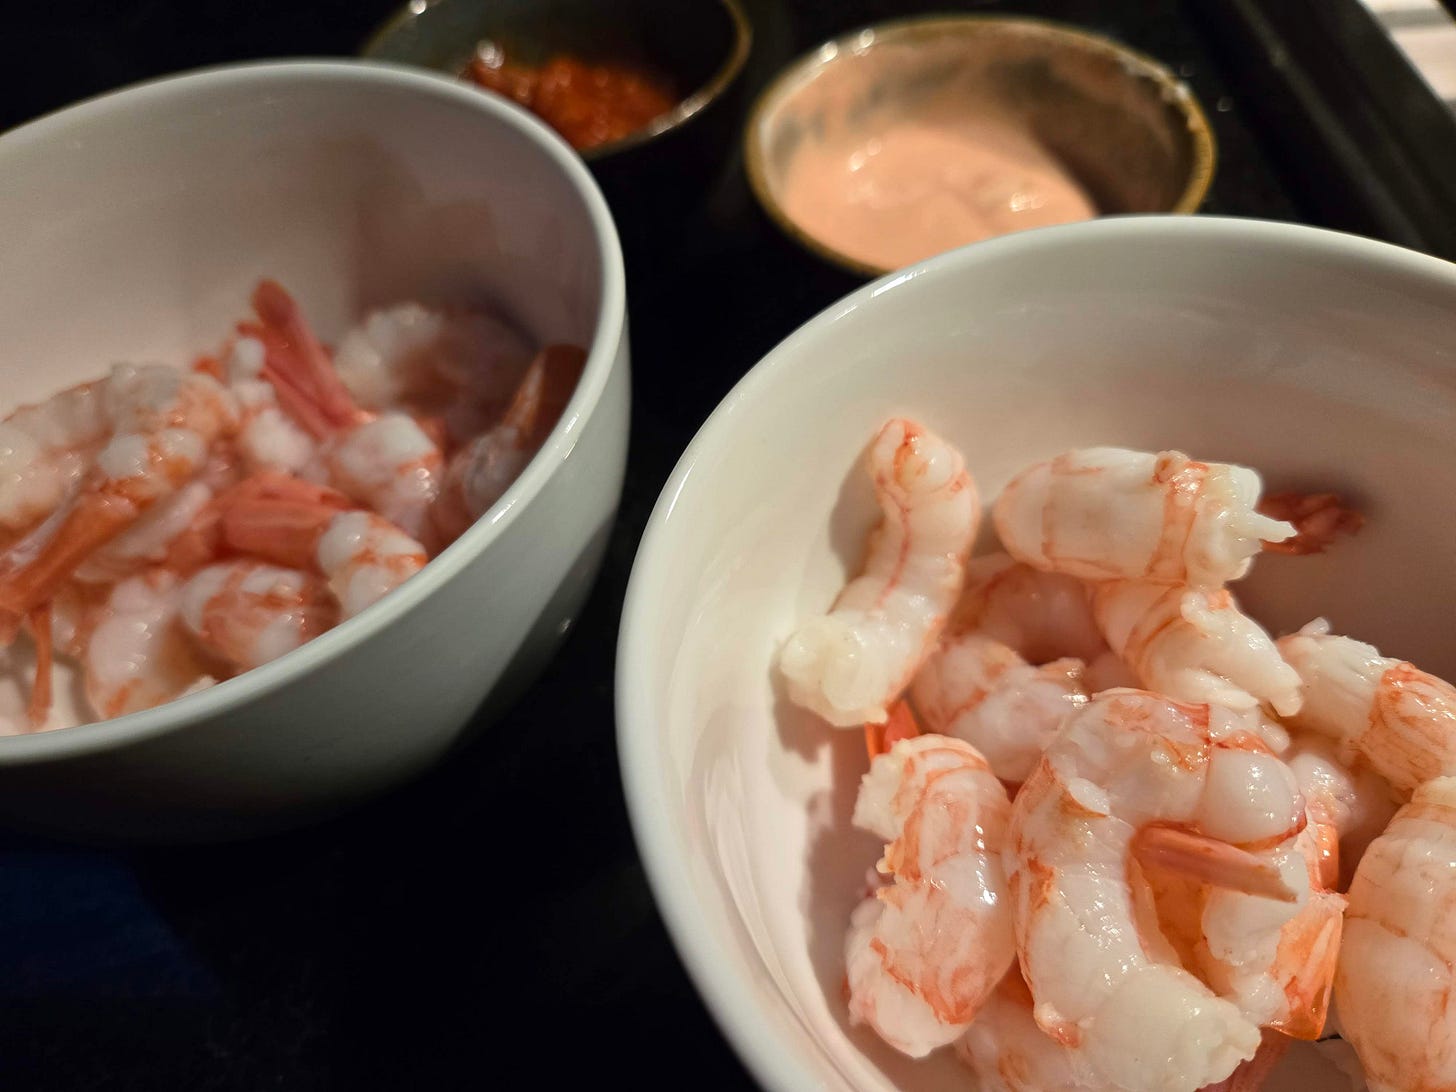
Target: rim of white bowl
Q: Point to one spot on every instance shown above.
(104, 735)
(661, 840)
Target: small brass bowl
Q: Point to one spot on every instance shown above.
(1118, 123)
(700, 46)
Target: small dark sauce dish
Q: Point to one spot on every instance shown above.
(652, 176)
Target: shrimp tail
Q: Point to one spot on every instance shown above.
(278, 518)
(1318, 519)
(40, 694)
(298, 366)
(1209, 861)
(95, 520)
(879, 738)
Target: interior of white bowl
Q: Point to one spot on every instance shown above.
(1322, 360)
(136, 226)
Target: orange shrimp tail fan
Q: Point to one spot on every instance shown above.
(278, 518)
(298, 367)
(900, 724)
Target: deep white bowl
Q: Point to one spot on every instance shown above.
(1320, 359)
(135, 226)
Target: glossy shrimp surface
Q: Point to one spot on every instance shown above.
(1130, 767)
(1397, 967)
(850, 664)
(247, 613)
(44, 451)
(925, 952)
(1195, 645)
(1107, 513)
(1396, 718)
(979, 690)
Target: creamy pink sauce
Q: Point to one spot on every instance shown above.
(915, 188)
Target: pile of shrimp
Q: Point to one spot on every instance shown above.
(1131, 840)
(168, 527)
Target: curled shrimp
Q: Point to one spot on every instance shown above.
(1008, 1052)
(294, 524)
(924, 953)
(1396, 980)
(1043, 616)
(1137, 779)
(1107, 513)
(1391, 715)
(847, 666)
(246, 613)
(385, 461)
(461, 366)
(164, 423)
(481, 471)
(1194, 645)
(44, 451)
(137, 655)
(979, 690)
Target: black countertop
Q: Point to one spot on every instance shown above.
(491, 925)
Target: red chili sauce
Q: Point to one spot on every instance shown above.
(588, 104)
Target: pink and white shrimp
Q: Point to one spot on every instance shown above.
(268, 438)
(246, 613)
(164, 423)
(481, 471)
(1194, 645)
(925, 952)
(847, 666)
(137, 654)
(1352, 804)
(461, 366)
(977, 689)
(1137, 778)
(1389, 714)
(1043, 616)
(1397, 969)
(294, 524)
(1008, 1052)
(385, 461)
(1107, 513)
(44, 451)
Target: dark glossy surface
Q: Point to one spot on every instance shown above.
(368, 953)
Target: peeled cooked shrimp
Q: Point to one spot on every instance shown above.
(1106, 513)
(1398, 719)
(268, 438)
(463, 365)
(387, 461)
(392, 466)
(481, 471)
(247, 612)
(1008, 1052)
(164, 423)
(1275, 959)
(1128, 768)
(291, 523)
(1354, 803)
(150, 540)
(924, 953)
(137, 655)
(1043, 616)
(44, 451)
(979, 690)
(1194, 645)
(848, 665)
(1397, 969)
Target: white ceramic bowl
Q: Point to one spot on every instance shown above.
(136, 225)
(1321, 359)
